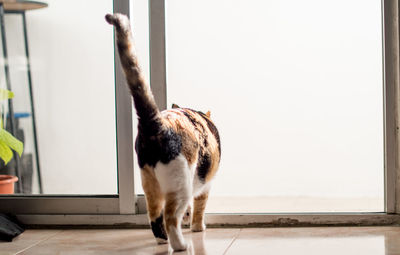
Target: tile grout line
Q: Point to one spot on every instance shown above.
(233, 240)
(38, 242)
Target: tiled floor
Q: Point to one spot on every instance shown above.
(316, 240)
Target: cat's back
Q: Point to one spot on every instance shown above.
(201, 145)
(186, 139)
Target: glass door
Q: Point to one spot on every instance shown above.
(297, 96)
(71, 55)
(296, 90)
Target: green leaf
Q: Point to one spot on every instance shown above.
(12, 142)
(6, 94)
(6, 153)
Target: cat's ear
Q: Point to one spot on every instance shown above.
(208, 114)
(174, 106)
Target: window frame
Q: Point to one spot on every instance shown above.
(129, 209)
(390, 36)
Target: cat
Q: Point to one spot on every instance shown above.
(178, 151)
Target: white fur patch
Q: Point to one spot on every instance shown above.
(199, 187)
(175, 176)
(124, 21)
(176, 239)
(178, 176)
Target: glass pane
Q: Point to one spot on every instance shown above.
(72, 68)
(295, 88)
(139, 14)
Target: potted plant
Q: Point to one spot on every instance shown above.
(8, 143)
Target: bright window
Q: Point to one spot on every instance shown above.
(295, 88)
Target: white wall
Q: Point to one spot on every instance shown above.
(295, 88)
(72, 60)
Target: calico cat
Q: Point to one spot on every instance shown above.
(178, 151)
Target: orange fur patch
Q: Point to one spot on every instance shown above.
(170, 210)
(199, 206)
(154, 197)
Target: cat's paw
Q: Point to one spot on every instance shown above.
(181, 246)
(161, 241)
(198, 227)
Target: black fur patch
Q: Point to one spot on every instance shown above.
(122, 47)
(158, 228)
(213, 130)
(171, 146)
(203, 165)
(204, 162)
(147, 115)
(195, 123)
(164, 147)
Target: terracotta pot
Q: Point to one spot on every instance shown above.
(7, 184)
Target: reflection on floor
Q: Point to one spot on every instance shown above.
(315, 240)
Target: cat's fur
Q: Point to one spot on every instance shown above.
(178, 151)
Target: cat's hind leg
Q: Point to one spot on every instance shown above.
(199, 206)
(175, 206)
(155, 203)
(176, 183)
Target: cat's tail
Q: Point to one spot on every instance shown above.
(146, 108)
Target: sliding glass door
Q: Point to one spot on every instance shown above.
(296, 89)
(72, 70)
(68, 121)
(306, 121)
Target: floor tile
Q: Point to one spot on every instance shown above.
(315, 240)
(328, 240)
(130, 241)
(27, 239)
